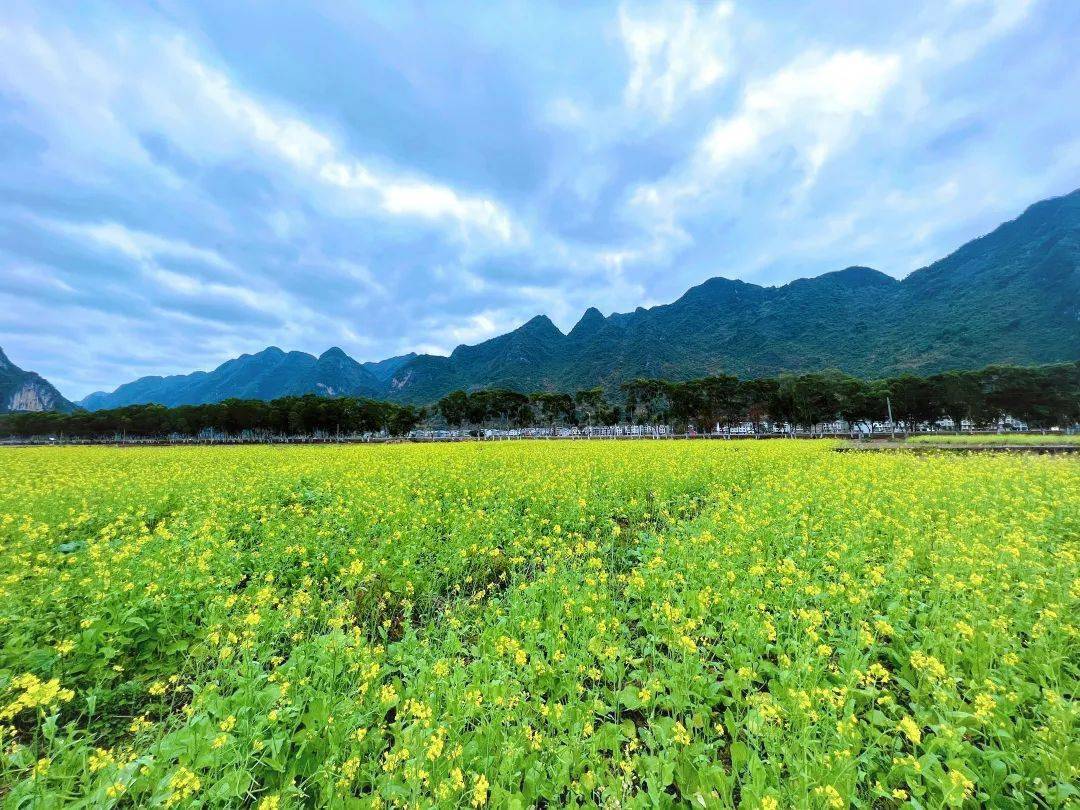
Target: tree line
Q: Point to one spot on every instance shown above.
(298, 415)
(501, 407)
(1041, 397)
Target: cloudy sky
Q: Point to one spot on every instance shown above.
(183, 182)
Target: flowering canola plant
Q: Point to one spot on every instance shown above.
(639, 624)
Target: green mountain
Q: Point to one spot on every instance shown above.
(268, 374)
(1012, 296)
(384, 369)
(526, 359)
(26, 391)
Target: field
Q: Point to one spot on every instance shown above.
(1019, 439)
(717, 624)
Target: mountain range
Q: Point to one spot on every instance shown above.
(1012, 296)
(26, 391)
(270, 374)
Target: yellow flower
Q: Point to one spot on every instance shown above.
(100, 759)
(910, 729)
(182, 784)
(928, 665)
(960, 780)
(36, 694)
(984, 705)
(479, 791)
(831, 795)
(680, 734)
(436, 744)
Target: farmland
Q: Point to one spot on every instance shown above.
(725, 624)
(989, 439)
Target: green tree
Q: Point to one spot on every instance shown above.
(454, 408)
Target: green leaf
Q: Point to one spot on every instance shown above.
(739, 754)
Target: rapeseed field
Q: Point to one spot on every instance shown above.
(621, 624)
(1018, 439)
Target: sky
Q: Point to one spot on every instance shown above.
(184, 182)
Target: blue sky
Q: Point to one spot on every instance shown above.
(184, 182)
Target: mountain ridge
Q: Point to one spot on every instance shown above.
(267, 374)
(1009, 296)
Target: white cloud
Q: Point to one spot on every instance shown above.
(140, 245)
(434, 202)
(793, 120)
(26, 278)
(315, 153)
(967, 26)
(150, 252)
(362, 275)
(809, 106)
(100, 97)
(475, 328)
(675, 52)
(787, 125)
(445, 335)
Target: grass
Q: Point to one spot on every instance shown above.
(1019, 439)
(729, 624)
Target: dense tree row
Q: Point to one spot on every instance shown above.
(500, 407)
(1041, 397)
(289, 415)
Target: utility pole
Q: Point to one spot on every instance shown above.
(892, 424)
